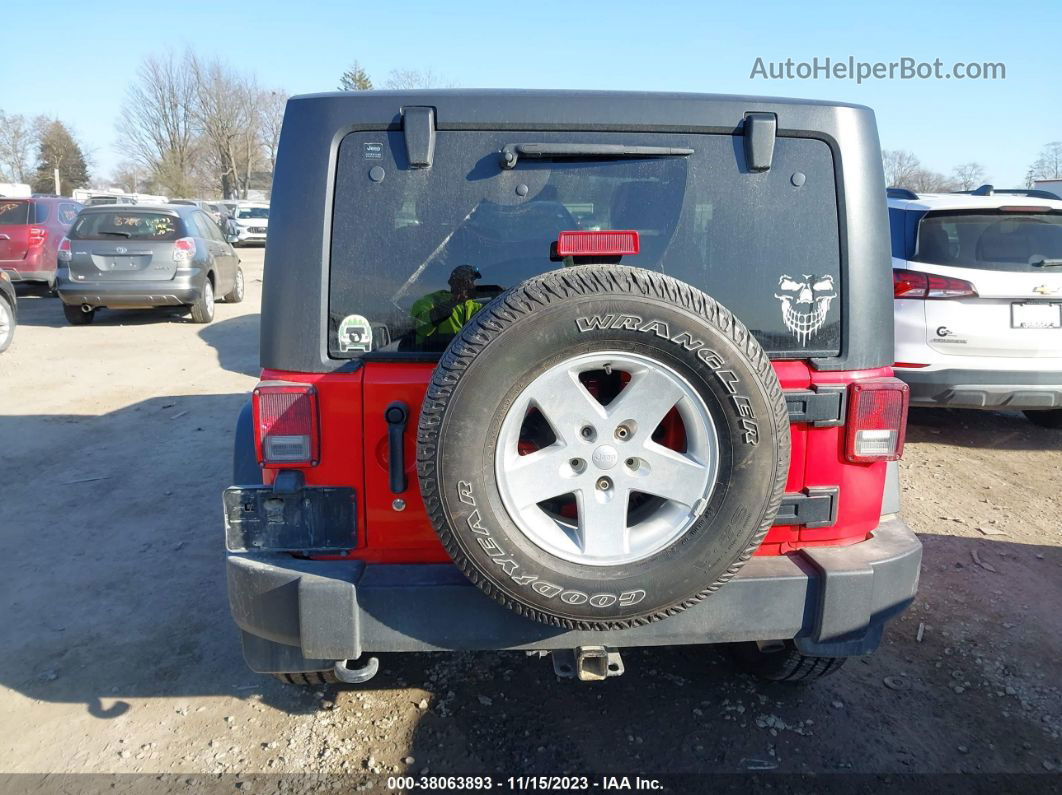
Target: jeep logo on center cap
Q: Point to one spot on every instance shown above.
(605, 457)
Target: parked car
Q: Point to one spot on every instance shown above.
(252, 223)
(978, 286)
(30, 232)
(8, 311)
(570, 375)
(146, 256)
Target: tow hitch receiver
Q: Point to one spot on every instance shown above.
(587, 663)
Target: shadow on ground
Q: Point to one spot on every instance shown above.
(236, 342)
(977, 428)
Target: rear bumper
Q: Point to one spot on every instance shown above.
(27, 271)
(980, 389)
(302, 615)
(132, 294)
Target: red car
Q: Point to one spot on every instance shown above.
(30, 232)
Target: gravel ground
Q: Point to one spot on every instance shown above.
(118, 654)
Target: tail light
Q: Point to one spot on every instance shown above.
(912, 284)
(63, 254)
(877, 420)
(597, 243)
(286, 424)
(37, 236)
(183, 249)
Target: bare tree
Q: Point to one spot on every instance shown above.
(226, 110)
(19, 138)
(922, 180)
(272, 105)
(355, 79)
(968, 176)
(900, 166)
(157, 127)
(1048, 165)
(127, 176)
(405, 79)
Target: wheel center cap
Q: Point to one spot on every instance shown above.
(605, 457)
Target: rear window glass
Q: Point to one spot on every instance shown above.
(990, 240)
(417, 252)
(14, 213)
(131, 225)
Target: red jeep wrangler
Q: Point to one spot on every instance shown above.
(571, 372)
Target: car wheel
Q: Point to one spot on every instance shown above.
(602, 447)
(1045, 418)
(76, 317)
(235, 295)
(203, 308)
(309, 678)
(784, 663)
(8, 322)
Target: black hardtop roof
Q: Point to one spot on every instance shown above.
(298, 257)
(538, 106)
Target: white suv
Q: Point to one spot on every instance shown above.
(978, 284)
(252, 222)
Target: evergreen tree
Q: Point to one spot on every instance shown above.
(355, 79)
(58, 150)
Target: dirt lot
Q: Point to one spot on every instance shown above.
(118, 654)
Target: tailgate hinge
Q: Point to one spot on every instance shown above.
(418, 125)
(820, 406)
(760, 130)
(815, 506)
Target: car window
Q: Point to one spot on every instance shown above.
(68, 212)
(253, 212)
(990, 239)
(14, 213)
(126, 224)
(420, 241)
(41, 212)
(210, 229)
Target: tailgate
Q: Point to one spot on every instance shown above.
(1013, 315)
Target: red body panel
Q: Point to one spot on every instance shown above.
(354, 452)
(25, 252)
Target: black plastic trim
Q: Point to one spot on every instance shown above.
(820, 406)
(760, 132)
(813, 507)
(296, 613)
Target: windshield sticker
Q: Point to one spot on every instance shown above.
(355, 334)
(805, 304)
(372, 151)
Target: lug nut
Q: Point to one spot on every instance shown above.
(587, 432)
(623, 433)
(604, 484)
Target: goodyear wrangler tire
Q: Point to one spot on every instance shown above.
(602, 446)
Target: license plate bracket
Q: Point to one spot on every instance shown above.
(1035, 315)
(315, 519)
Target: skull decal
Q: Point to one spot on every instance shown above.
(805, 303)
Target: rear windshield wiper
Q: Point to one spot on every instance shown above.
(1044, 262)
(120, 234)
(513, 152)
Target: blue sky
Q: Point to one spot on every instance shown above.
(673, 46)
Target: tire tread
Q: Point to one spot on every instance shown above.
(539, 292)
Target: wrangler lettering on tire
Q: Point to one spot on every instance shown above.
(602, 446)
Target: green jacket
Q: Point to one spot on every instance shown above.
(439, 313)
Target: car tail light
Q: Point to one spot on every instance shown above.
(913, 284)
(37, 236)
(63, 253)
(286, 424)
(877, 420)
(183, 249)
(602, 243)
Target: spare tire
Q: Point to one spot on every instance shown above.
(602, 446)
